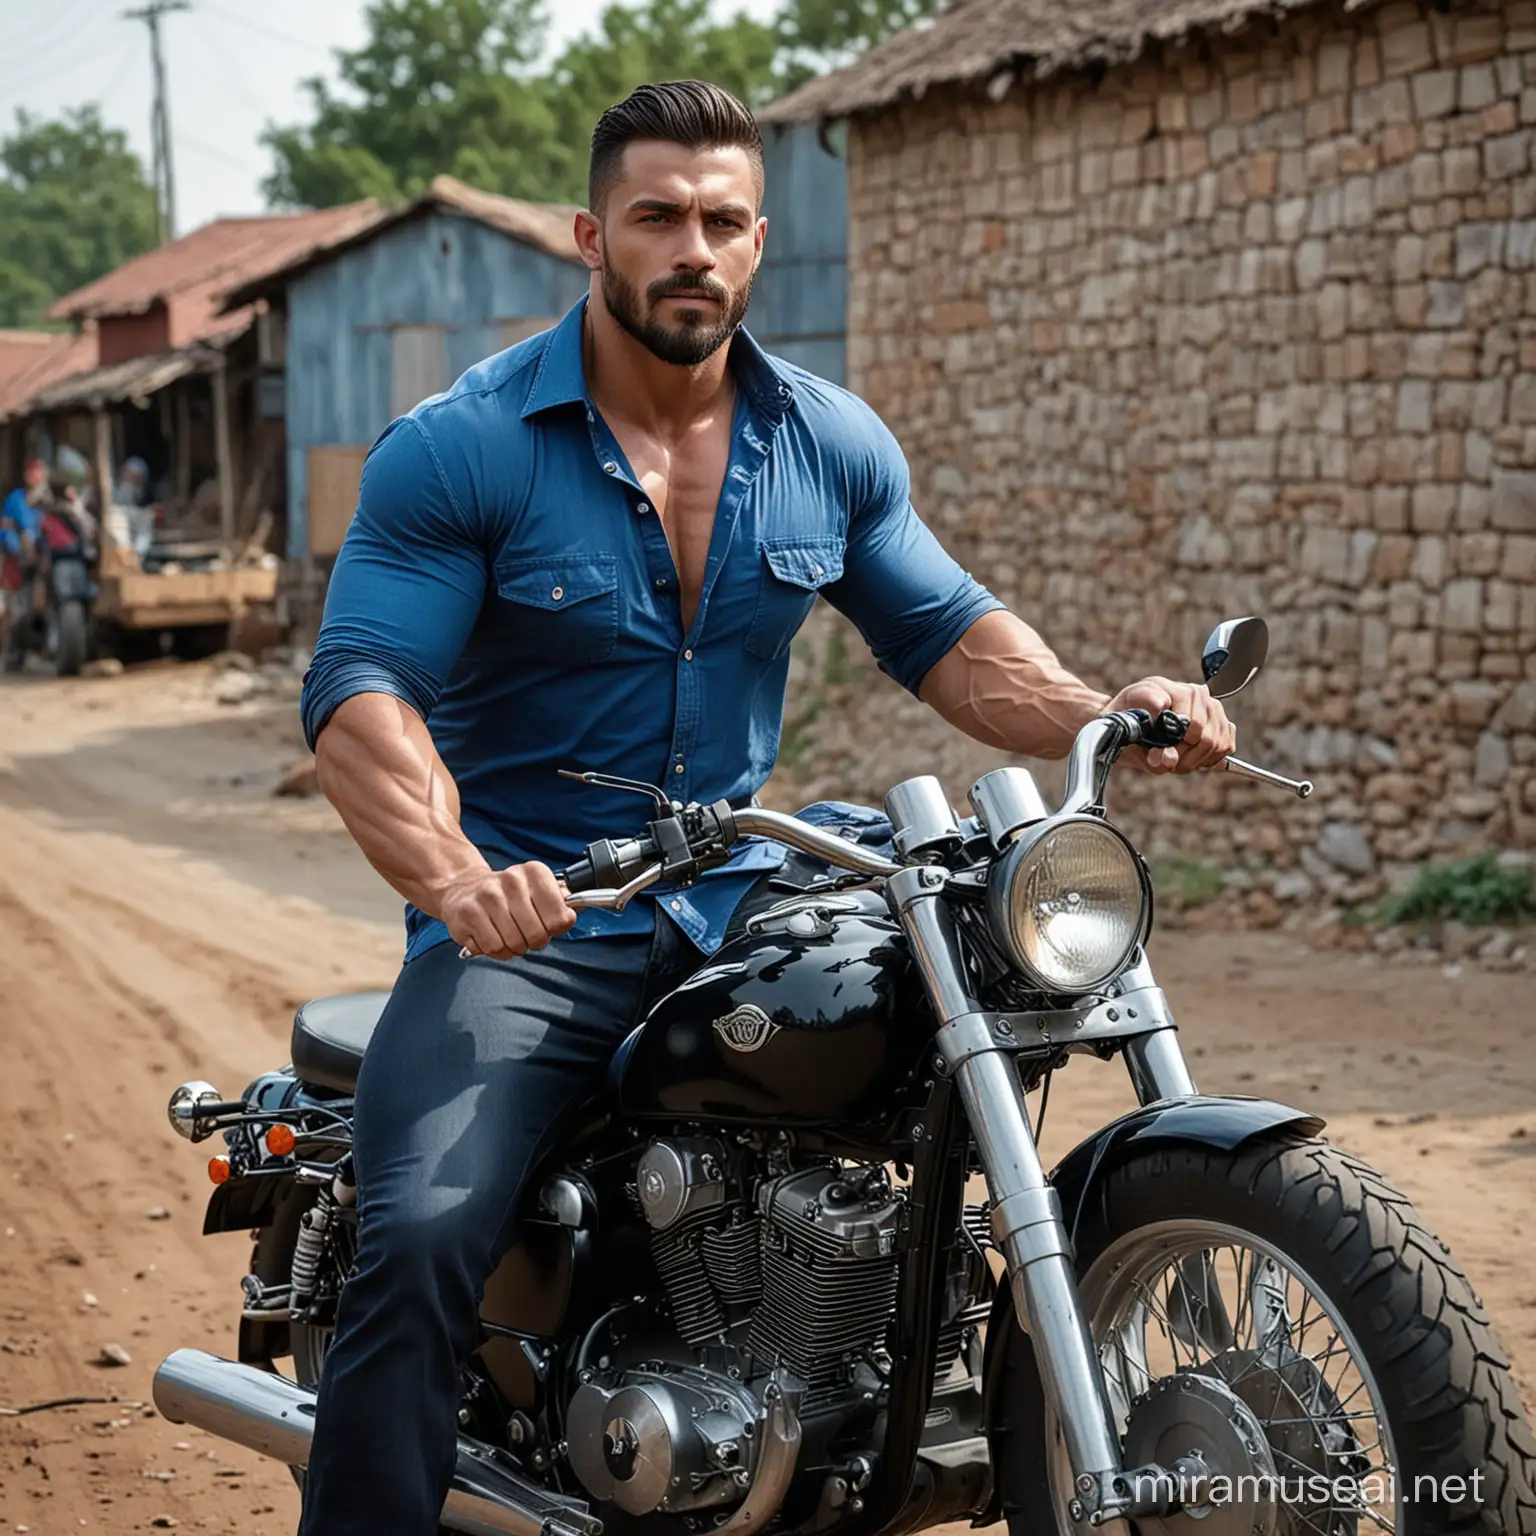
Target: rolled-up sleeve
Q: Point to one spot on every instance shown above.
(406, 589)
(903, 591)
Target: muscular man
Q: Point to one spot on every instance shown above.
(593, 552)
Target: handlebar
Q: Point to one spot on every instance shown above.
(692, 839)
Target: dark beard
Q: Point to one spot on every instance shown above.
(695, 338)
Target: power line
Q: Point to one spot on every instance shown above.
(35, 82)
(263, 31)
(114, 79)
(56, 47)
(66, 30)
(215, 153)
(235, 77)
(160, 120)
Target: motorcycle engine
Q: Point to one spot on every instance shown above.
(770, 1276)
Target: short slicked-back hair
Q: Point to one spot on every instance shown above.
(688, 112)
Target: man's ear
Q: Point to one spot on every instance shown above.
(589, 240)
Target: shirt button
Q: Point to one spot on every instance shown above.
(677, 906)
(662, 583)
(558, 593)
(687, 655)
(643, 508)
(678, 769)
(610, 468)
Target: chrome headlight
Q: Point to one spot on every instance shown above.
(1069, 903)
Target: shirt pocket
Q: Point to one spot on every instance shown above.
(560, 609)
(790, 574)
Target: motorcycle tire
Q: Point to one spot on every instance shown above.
(71, 639)
(1448, 1402)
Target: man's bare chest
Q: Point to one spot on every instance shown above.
(683, 488)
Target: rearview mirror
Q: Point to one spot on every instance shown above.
(1233, 655)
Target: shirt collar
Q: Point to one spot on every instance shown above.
(561, 378)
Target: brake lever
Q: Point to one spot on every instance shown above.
(606, 900)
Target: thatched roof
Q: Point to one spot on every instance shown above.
(975, 41)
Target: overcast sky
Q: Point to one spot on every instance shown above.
(232, 66)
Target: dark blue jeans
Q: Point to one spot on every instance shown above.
(468, 1082)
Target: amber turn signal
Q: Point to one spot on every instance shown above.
(218, 1169)
(280, 1140)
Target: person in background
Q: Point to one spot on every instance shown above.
(69, 521)
(132, 488)
(21, 521)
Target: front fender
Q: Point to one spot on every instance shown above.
(1221, 1122)
(1201, 1120)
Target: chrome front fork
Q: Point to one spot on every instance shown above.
(1027, 1222)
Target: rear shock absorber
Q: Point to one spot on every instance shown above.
(307, 1248)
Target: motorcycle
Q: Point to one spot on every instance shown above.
(753, 1290)
(59, 626)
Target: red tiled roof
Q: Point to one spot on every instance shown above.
(32, 360)
(191, 273)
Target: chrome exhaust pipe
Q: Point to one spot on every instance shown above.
(271, 1415)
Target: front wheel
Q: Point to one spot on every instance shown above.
(1295, 1279)
(70, 638)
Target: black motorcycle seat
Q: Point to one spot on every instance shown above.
(330, 1035)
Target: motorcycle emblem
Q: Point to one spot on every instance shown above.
(746, 1028)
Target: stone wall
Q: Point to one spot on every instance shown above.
(1247, 325)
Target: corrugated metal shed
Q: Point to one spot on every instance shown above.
(190, 276)
(800, 300)
(400, 312)
(547, 227)
(216, 257)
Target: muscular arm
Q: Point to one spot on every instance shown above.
(956, 647)
(1002, 684)
(377, 765)
(403, 598)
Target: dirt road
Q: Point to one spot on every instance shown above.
(161, 916)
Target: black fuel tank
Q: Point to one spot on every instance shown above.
(814, 1018)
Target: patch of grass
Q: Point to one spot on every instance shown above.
(1186, 882)
(799, 733)
(836, 668)
(1477, 891)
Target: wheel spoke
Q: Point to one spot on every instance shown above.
(1215, 1299)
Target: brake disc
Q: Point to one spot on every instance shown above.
(1192, 1418)
(1303, 1421)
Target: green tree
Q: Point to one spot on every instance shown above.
(74, 203)
(452, 85)
(439, 86)
(660, 40)
(818, 35)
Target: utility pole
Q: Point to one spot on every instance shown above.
(160, 118)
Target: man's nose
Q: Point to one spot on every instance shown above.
(694, 255)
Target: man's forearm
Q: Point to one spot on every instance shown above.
(377, 765)
(1002, 684)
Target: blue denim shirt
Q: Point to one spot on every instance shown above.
(507, 578)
